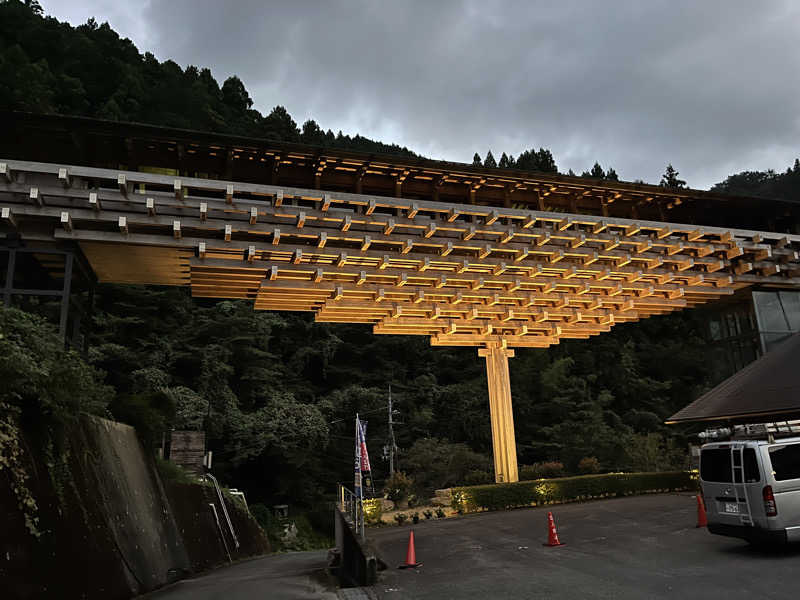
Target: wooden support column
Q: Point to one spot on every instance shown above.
(502, 416)
(65, 292)
(12, 258)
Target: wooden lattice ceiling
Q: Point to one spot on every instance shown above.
(459, 273)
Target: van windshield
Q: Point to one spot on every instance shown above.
(715, 466)
(785, 460)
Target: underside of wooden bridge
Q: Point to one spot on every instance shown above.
(493, 277)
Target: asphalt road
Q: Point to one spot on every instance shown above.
(292, 576)
(638, 547)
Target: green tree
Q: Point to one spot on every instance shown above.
(489, 161)
(48, 66)
(436, 463)
(533, 160)
(670, 178)
(597, 172)
(40, 377)
(476, 160)
(312, 133)
(235, 96)
(279, 125)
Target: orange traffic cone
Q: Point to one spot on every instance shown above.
(411, 554)
(702, 520)
(552, 534)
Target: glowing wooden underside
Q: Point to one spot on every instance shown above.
(461, 274)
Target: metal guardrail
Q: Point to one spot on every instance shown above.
(224, 510)
(352, 507)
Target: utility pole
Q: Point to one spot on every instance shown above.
(392, 445)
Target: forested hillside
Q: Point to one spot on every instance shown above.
(276, 392)
(767, 184)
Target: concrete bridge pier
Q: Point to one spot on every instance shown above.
(502, 414)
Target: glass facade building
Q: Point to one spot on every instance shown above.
(777, 315)
(750, 324)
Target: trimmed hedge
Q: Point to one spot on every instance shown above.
(501, 496)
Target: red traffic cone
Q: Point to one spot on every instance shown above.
(552, 534)
(702, 520)
(411, 554)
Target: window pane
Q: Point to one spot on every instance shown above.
(751, 473)
(770, 312)
(785, 461)
(791, 307)
(715, 465)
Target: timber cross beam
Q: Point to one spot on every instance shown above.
(461, 274)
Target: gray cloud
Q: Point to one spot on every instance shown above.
(711, 87)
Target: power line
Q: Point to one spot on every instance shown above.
(366, 412)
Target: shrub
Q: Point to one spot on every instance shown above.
(400, 518)
(373, 509)
(436, 463)
(477, 477)
(149, 412)
(543, 470)
(567, 489)
(440, 514)
(307, 538)
(169, 471)
(398, 487)
(271, 526)
(263, 517)
(49, 384)
(428, 513)
(43, 388)
(551, 469)
(653, 452)
(415, 518)
(588, 465)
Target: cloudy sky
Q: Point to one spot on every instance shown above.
(711, 86)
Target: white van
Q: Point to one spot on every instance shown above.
(751, 488)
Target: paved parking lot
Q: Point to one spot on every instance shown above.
(639, 547)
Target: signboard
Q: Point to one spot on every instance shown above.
(187, 449)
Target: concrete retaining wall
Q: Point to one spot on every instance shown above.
(110, 529)
(357, 565)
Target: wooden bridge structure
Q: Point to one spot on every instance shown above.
(485, 273)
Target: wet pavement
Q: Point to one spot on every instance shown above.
(626, 548)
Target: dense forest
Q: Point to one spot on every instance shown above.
(276, 392)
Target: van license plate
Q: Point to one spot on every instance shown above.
(731, 507)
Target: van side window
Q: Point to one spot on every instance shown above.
(751, 473)
(715, 466)
(785, 460)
